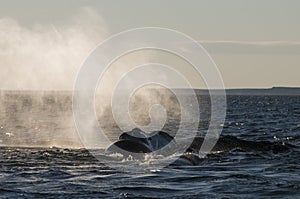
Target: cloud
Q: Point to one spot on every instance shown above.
(279, 47)
(252, 43)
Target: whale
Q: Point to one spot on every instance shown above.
(138, 143)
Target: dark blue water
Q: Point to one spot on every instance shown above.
(75, 173)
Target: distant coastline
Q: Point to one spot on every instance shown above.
(287, 91)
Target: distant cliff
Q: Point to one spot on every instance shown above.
(288, 91)
(270, 91)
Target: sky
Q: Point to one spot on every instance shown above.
(254, 43)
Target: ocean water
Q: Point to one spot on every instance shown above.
(30, 167)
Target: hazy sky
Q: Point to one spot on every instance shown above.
(255, 43)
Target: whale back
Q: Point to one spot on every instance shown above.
(137, 141)
(135, 135)
(227, 143)
(128, 146)
(160, 139)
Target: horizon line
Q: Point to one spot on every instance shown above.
(271, 43)
(233, 88)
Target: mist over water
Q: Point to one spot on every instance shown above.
(45, 118)
(48, 56)
(37, 119)
(39, 65)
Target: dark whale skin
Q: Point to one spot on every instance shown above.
(228, 143)
(136, 141)
(139, 143)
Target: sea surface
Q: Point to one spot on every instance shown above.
(39, 156)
